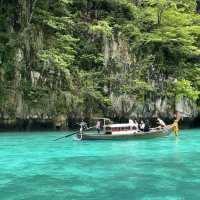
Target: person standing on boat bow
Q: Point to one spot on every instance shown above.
(83, 125)
(98, 126)
(175, 126)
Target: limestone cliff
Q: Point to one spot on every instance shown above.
(65, 60)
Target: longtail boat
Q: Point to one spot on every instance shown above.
(123, 131)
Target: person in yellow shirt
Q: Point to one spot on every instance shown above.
(174, 126)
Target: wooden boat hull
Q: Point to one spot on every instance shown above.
(135, 136)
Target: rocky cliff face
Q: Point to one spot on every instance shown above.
(30, 97)
(36, 93)
(20, 111)
(117, 56)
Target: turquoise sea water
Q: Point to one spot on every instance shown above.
(33, 167)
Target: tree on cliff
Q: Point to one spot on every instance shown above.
(82, 57)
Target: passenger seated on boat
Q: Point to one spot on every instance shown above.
(142, 126)
(146, 128)
(136, 125)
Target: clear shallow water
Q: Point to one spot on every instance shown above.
(33, 167)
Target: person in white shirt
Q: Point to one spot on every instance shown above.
(130, 121)
(83, 125)
(136, 124)
(161, 122)
(142, 126)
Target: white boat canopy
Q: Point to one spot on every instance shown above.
(120, 125)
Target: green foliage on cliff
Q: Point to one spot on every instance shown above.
(75, 55)
(184, 89)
